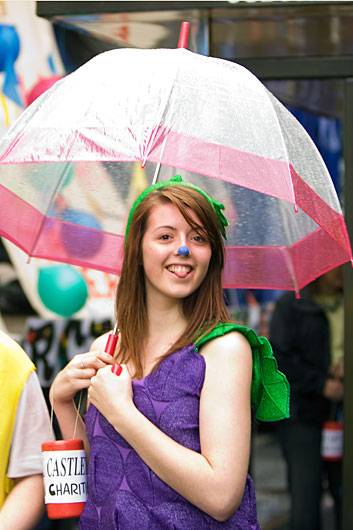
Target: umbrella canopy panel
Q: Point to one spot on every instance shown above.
(77, 157)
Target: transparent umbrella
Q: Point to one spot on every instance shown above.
(76, 158)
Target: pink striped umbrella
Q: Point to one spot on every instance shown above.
(76, 158)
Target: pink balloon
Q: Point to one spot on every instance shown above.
(41, 86)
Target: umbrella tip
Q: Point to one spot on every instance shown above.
(184, 35)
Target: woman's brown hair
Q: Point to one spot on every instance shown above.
(203, 309)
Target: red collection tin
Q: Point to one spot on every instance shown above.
(64, 472)
(332, 441)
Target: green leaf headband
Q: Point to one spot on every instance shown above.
(177, 180)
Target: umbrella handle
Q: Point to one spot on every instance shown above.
(111, 344)
(110, 349)
(184, 35)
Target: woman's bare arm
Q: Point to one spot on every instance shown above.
(75, 377)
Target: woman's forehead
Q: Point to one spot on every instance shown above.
(169, 215)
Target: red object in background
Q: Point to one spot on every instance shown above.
(41, 86)
(58, 488)
(332, 441)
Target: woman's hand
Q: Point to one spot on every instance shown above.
(111, 394)
(77, 375)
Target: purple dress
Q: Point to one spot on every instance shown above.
(123, 492)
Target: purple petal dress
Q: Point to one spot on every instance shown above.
(123, 492)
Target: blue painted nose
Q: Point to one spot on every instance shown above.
(183, 251)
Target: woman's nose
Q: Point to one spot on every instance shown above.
(183, 250)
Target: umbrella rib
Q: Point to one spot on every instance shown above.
(158, 167)
(268, 93)
(154, 133)
(58, 185)
(290, 267)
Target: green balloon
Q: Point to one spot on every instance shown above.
(62, 289)
(50, 175)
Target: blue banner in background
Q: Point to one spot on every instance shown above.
(326, 134)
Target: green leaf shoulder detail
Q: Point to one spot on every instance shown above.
(269, 388)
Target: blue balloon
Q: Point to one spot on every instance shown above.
(62, 289)
(9, 45)
(9, 51)
(79, 239)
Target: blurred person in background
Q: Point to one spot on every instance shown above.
(24, 425)
(307, 338)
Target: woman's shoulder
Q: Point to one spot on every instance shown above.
(227, 334)
(228, 347)
(228, 361)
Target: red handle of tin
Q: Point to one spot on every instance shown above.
(111, 344)
(110, 349)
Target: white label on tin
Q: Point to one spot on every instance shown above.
(64, 475)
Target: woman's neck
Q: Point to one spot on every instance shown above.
(162, 308)
(164, 319)
(166, 323)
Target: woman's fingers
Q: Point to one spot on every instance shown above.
(110, 394)
(81, 384)
(86, 365)
(105, 358)
(92, 360)
(86, 373)
(78, 373)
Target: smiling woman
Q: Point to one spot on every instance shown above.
(169, 438)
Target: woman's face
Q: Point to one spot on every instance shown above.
(167, 273)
